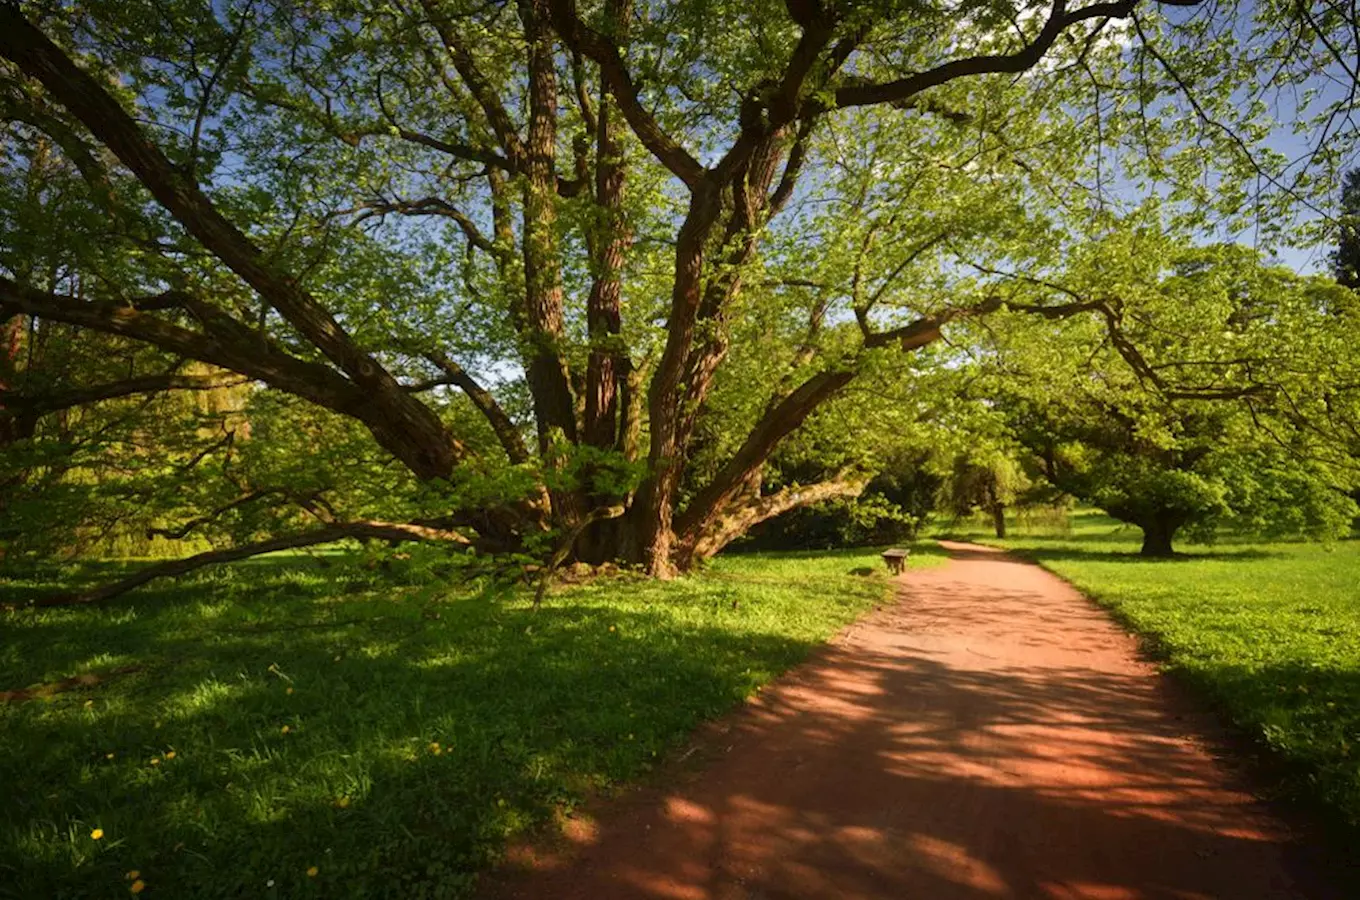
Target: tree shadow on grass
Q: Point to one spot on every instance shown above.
(392, 744)
(1078, 554)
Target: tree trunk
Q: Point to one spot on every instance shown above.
(999, 519)
(541, 330)
(1158, 532)
(608, 364)
(651, 514)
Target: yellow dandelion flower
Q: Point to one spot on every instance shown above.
(611, 627)
(137, 886)
(285, 729)
(435, 748)
(108, 756)
(170, 755)
(155, 761)
(96, 834)
(313, 872)
(342, 802)
(289, 691)
(133, 875)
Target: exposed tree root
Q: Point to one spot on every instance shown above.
(50, 688)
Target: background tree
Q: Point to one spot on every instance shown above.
(1189, 406)
(1346, 257)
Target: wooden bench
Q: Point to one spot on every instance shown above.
(896, 558)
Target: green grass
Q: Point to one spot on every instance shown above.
(288, 716)
(1269, 632)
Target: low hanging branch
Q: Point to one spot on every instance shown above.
(41, 404)
(371, 530)
(736, 521)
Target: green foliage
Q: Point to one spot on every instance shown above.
(361, 151)
(1199, 401)
(295, 712)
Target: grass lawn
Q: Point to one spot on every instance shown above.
(293, 731)
(1269, 632)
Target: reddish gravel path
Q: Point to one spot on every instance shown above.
(991, 735)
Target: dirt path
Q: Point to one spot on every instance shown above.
(992, 734)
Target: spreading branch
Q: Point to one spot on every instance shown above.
(738, 520)
(434, 453)
(506, 432)
(1060, 18)
(13, 403)
(363, 530)
(605, 52)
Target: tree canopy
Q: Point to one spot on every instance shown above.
(562, 278)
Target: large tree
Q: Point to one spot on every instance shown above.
(1201, 402)
(595, 222)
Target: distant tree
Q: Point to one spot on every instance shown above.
(1346, 257)
(1203, 401)
(986, 478)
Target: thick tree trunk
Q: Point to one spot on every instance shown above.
(1158, 532)
(608, 363)
(999, 519)
(549, 379)
(651, 513)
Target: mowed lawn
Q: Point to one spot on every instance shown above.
(280, 729)
(1268, 632)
